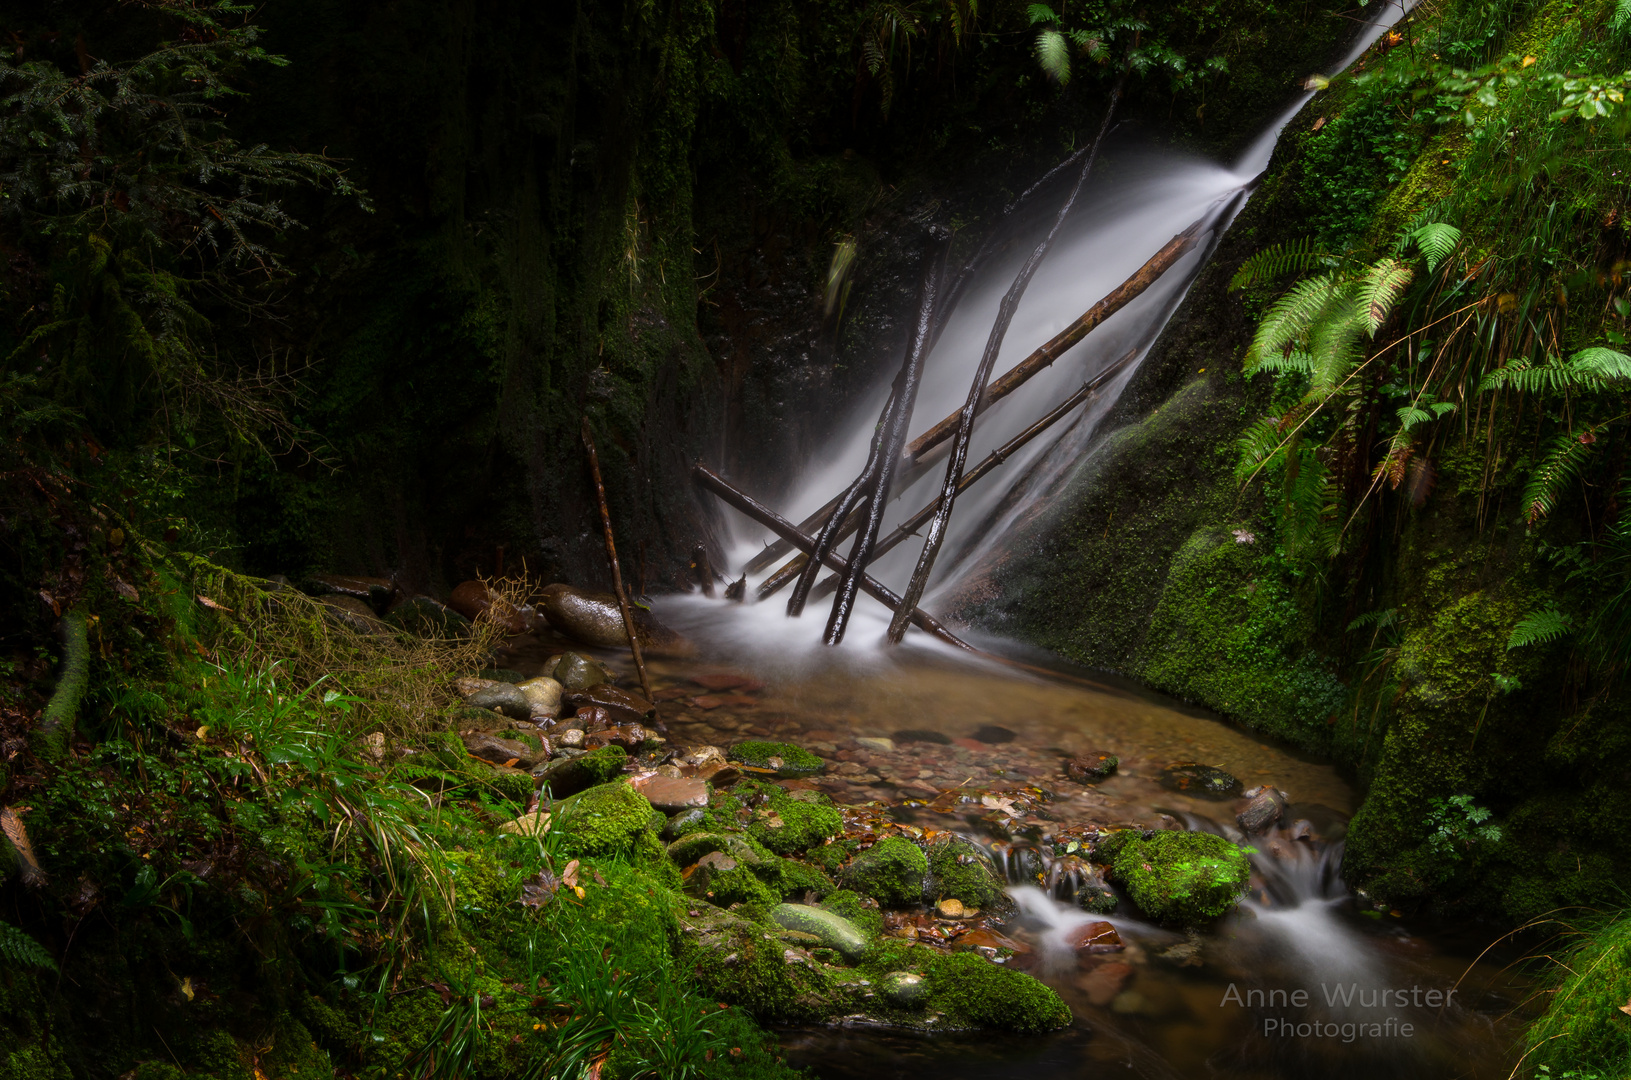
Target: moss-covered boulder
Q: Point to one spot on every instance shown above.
(722, 881)
(789, 825)
(1189, 878)
(785, 759)
(892, 872)
(733, 959)
(605, 820)
(958, 870)
(973, 992)
(568, 776)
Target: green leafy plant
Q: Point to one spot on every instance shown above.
(1457, 826)
(18, 949)
(1540, 627)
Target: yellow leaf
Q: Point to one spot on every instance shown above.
(1528, 60)
(187, 988)
(203, 731)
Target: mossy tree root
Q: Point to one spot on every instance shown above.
(55, 729)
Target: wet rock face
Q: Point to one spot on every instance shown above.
(1193, 778)
(597, 619)
(497, 751)
(506, 698)
(576, 672)
(833, 931)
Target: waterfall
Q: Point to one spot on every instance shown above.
(1129, 210)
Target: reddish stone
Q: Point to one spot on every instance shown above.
(671, 793)
(970, 744)
(1094, 937)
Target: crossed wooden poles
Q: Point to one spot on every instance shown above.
(859, 508)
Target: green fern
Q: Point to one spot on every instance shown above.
(1589, 369)
(1540, 627)
(1258, 444)
(1291, 257)
(1379, 290)
(1622, 15)
(1053, 55)
(1437, 242)
(1381, 620)
(1560, 465)
(17, 949)
(1290, 318)
(1308, 507)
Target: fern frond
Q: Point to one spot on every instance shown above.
(1258, 444)
(1278, 260)
(1560, 465)
(1041, 13)
(1379, 619)
(1622, 15)
(1334, 342)
(1379, 290)
(1053, 56)
(1308, 507)
(1296, 363)
(19, 950)
(1290, 318)
(1437, 242)
(1540, 627)
(1589, 369)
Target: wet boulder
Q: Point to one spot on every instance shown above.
(993, 734)
(544, 695)
(892, 872)
(620, 705)
(352, 614)
(506, 698)
(596, 618)
(568, 776)
(377, 593)
(905, 989)
(1193, 778)
(833, 931)
(672, 793)
(628, 736)
(498, 751)
(1262, 811)
(471, 599)
(1185, 878)
(575, 672)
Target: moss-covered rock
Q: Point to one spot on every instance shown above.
(892, 872)
(788, 826)
(605, 820)
(960, 870)
(835, 931)
(734, 959)
(974, 992)
(788, 761)
(568, 776)
(1188, 878)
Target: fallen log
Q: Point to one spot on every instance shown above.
(911, 525)
(789, 532)
(894, 440)
(1015, 377)
(982, 375)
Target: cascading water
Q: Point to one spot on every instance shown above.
(1127, 213)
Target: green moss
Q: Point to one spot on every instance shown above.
(974, 992)
(857, 909)
(743, 962)
(1583, 1032)
(796, 879)
(604, 820)
(788, 826)
(785, 758)
(1189, 878)
(961, 871)
(833, 857)
(892, 872)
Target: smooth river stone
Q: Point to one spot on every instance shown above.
(596, 618)
(835, 931)
(620, 705)
(499, 751)
(670, 793)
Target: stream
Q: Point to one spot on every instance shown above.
(1167, 1005)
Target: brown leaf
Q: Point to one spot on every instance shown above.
(212, 605)
(541, 890)
(569, 876)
